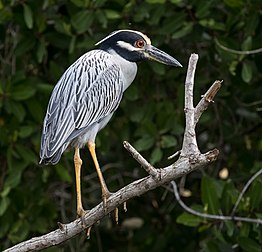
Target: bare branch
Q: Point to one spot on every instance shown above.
(211, 216)
(177, 153)
(141, 160)
(206, 99)
(255, 51)
(189, 141)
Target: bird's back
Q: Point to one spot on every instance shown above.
(81, 103)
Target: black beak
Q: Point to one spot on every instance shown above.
(154, 53)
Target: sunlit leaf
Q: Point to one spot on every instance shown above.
(111, 14)
(28, 16)
(189, 220)
(4, 203)
(246, 72)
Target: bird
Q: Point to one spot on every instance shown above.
(87, 95)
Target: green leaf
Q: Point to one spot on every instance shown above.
(230, 228)
(25, 131)
(82, 21)
(156, 155)
(4, 203)
(252, 23)
(144, 143)
(209, 195)
(40, 51)
(229, 196)
(14, 174)
(28, 16)
(212, 24)
(101, 17)
(63, 27)
(27, 154)
(244, 229)
(203, 9)
(24, 45)
(189, 220)
(22, 92)
(156, 1)
(112, 14)
(168, 141)
(247, 44)
(246, 72)
(81, 3)
(72, 45)
(249, 245)
(255, 194)
(186, 29)
(234, 3)
(176, 2)
(17, 109)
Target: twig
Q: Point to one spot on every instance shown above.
(248, 52)
(206, 99)
(244, 190)
(210, 216)
(155, 173)
(174, 155)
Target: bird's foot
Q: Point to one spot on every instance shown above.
(114, 213)
(81, 214)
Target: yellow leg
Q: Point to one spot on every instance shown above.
(105, 191)
(78, 163)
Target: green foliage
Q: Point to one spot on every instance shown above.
(40, 39)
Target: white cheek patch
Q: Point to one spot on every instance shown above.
(128, 46)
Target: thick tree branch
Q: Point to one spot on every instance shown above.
(189, 142)
(189, 160)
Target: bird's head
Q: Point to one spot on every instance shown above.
(135, 46)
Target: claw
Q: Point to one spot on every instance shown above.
(81, 214)
(125, 207)
(88, 232)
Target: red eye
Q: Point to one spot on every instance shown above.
(140, 43)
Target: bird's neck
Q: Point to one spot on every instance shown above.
(128, 68)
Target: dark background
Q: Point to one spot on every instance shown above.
(40, 39)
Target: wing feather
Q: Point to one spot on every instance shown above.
(88, 91)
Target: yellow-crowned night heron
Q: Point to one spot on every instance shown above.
(87, 95)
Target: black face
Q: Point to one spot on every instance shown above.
(130, 38)
(134, 46)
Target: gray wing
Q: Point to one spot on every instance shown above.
(88, 91)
